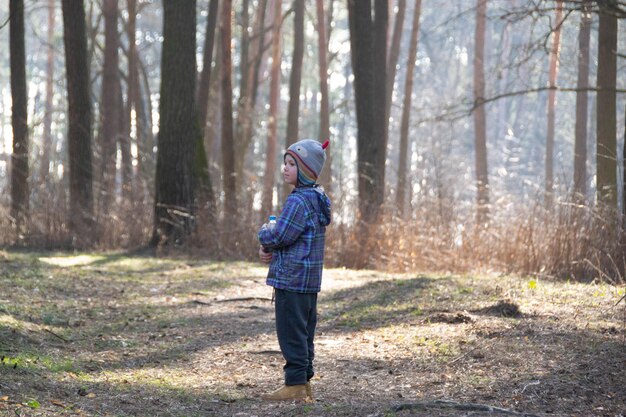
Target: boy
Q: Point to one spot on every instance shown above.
(294, 247)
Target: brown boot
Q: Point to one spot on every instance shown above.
(288, 392)
(309, 393)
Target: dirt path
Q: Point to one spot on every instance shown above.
(134, 336)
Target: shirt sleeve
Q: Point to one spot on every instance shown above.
(289, 225)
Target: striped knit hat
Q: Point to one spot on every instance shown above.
(310, 157)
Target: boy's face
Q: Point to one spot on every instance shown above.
(290, 171)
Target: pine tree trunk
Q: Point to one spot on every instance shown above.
(324, 111)
(19, 117)
(44, 168)
(124, 142)
(204, 191)
(368, 41)
(553, 73)
(228, 148)
(249, 88)
(81, 219)
(110, 121)
(207, 58)
(295, 80)
(406, 112)
(480, 119)
(580, 142)
(272, 141)
(394, 53)
(606, 146)
(178, 130)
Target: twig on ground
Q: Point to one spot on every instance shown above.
(230, 300)
(453, 405)
(461, 356)
(56, 335)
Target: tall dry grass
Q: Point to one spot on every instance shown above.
(569, 241)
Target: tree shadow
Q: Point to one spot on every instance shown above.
(377, 304)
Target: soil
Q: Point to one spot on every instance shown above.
(123, 335)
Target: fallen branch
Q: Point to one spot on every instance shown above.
(453, 405)
(265, 352)
(56, 335)
(230, 300)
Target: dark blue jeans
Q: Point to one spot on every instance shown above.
(296, 318)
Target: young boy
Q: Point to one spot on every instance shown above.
(294, 247)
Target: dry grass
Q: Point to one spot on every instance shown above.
(570, 241)
(109, 334)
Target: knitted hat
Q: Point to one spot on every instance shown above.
(310, 157)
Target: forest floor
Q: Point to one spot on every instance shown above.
(127, 335)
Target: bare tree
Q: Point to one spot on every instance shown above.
(553, 72)
(295, 79)
(110, 115)
(47, 141)
(272, 140)
(394, 53)
(178, 130)
(480, 119)
(81, 219)
(580, 144)
(606, 114)
(252, 67)
(19, 117)
(324, 130)
(368, 41)
(204, 185)
(406, 112)
(228, 148)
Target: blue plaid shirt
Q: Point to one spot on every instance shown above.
(297, 241)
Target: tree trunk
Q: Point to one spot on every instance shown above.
(270, 159)
(368, 41)
(580, 142)
(110, 121)
(228, 149)
(249, 87)
(394, 53)
(178, 130)
(606, 146)
(624, 180)
(143, 109)
(144, 171)
(480, 119)
(324, 111)
(123, 138)
(81, 220)
(19, 117)
(205, 195)
(295, 80)
(207, 58)
(406, 112)
(553, 73)
(44, 168)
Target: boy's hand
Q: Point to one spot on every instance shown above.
(266, 257)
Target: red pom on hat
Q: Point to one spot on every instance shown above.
(325, 144)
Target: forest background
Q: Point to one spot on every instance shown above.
(480, 135)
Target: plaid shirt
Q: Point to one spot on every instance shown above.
(297, 241)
